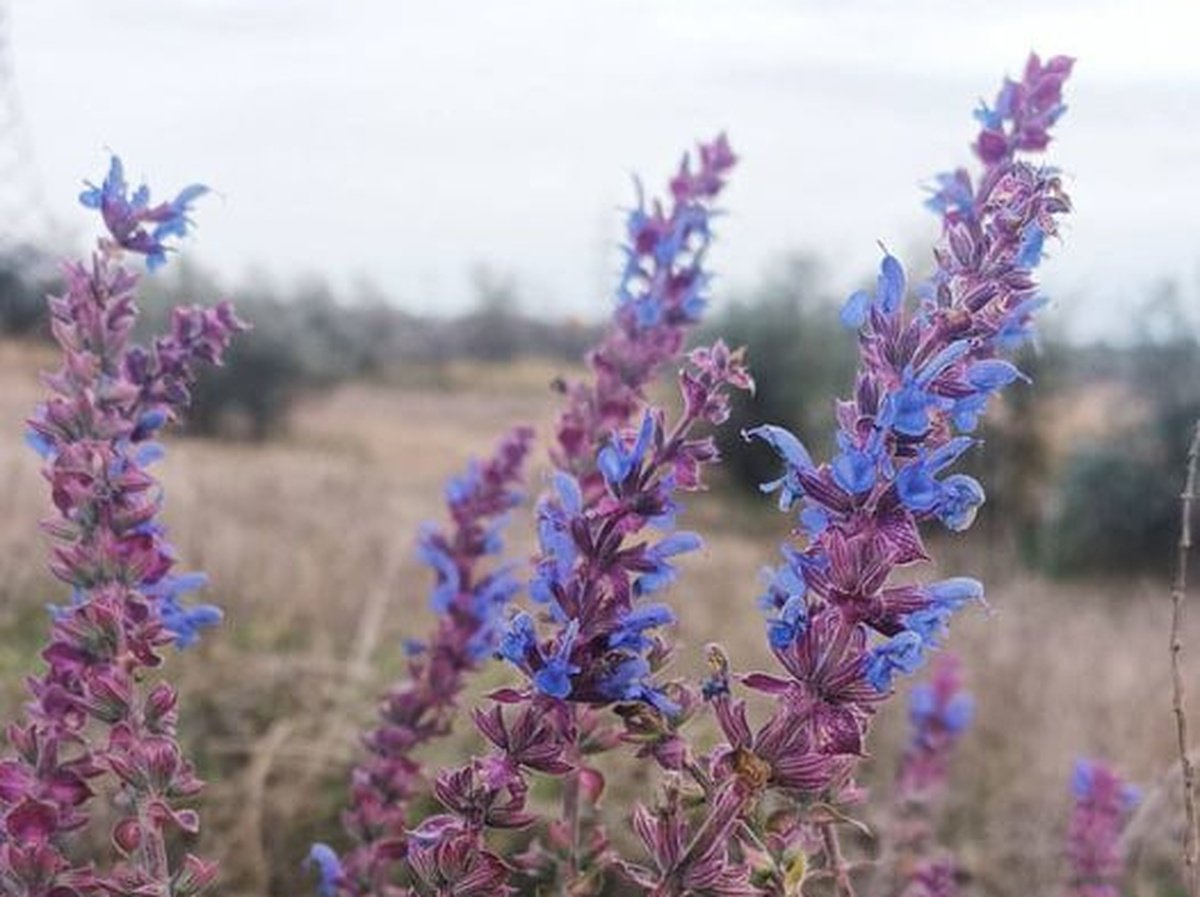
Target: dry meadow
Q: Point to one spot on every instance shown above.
(309, 544)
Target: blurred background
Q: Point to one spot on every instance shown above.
(419, 207)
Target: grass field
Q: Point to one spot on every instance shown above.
(308, 542)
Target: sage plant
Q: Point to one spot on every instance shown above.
(99, 710)
(1103, 804)
(939, 711)
(612, 485)
(838, 623)
(662, 293)
(469, 600)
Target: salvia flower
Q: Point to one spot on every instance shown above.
(1103, 805)
(598, 560)
(133, 223)
(661, 296)
(925, 377)
(939, 712)
(95, 433)
(607, 539)
(836, 621)
(470, 599)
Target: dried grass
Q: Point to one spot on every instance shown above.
(309, 544)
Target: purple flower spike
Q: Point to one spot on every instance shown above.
(939, 711)
(591, 575)
(1103, 804)
(97, 710)
(620, 467)
(661, 295)
(470, 601)
(839, 626)
(1024, 111)
(925, 376)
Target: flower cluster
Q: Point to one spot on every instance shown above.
(469, 601)
(738, 819)
(592, 573)
(1103, 804)
(925, 377)
(595, 566)
(96, 434)
(837, 624)
(939, 711)
(662, 293)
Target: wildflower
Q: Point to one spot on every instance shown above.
(939, 711)
(127, 217)
(594, 563)
(838, 626)
(471, 602)
(661, 295)
(589, 573)
(328, 866)
(1103, 804)
(659, 573)
(95, 435)
(617, 462)
(1024, 111)
(796, 462)
(554, 676)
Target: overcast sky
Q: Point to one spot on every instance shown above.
(407, 142)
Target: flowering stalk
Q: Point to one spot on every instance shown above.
(1103, 804)
(661, 295)
(96, 435)
(469, 601)
(838, 626)
(594, 565)
(939, 711)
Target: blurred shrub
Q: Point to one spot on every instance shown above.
(1014, 454)
(1116, 503)
(801, 357)
(311, 339)
(1118, 512)
(25, 279)
(253, 393)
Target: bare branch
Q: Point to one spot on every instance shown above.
(1191, 846)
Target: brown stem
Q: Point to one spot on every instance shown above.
(1191, 845)
(152, 849)
(836, 861)
(570, 803)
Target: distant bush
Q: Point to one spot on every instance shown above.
(1118, 513)
(253, 393)
(1116, 503)
(800, 355)
(25, 278)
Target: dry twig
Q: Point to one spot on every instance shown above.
(1191, 846)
